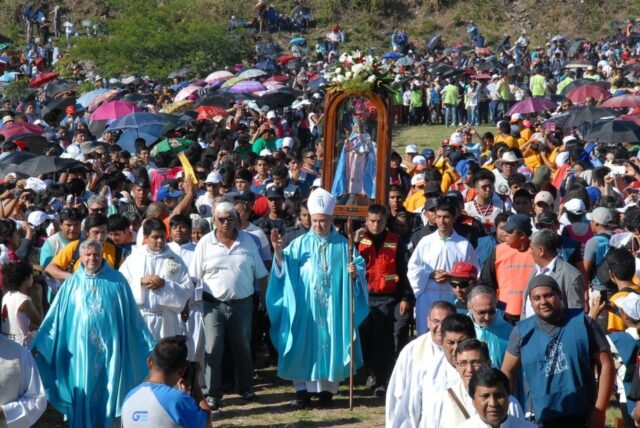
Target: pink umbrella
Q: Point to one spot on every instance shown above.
(272, 86)
(18, 128)
(185, 92)
(218, 75)
(532, 105)
(247, 86)
(102, 98)
(113, 110)
(580, 93)
(622, 101)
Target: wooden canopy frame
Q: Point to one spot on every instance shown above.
(333, 101)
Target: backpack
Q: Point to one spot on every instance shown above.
(27, 12)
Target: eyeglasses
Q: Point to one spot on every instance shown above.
(461, 284)
(311, 157)
(475, 364)
(98, 210)
(487, 187)
(492, 311)
(224, 220)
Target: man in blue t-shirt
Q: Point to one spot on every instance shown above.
(171, 396)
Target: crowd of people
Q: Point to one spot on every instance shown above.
(140, 286)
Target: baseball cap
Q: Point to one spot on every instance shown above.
(575, 206)
(411, 148)
(456, 138)
(543, 280)
(8, 118)
(265, 152)
(287, 142)
(545, 197)
(274, 193)
(70, 110)
(515, 117)
(213, 178)
(165, 192)
(419, 161)
(431, 204)
(141, 183)
(417, 180)
(432, 187)
(317, 183)
(428, 153)
(36, 218)
(464, 270)
(634, 187)
(519, 222)
(630, 305)
(547, 218)
(601, 215)
(271, 114)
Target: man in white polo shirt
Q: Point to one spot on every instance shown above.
(227, 262)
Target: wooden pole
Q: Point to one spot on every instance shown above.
(351, 313)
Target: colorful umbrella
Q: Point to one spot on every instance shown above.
(622, 101)
(185, 92)
(285, 59)
(102, 98)
(252, 73)
(230, 82)
(20, 128)
(532, 105)
(208, 112)
(173, 145)
(86, 98)
(581, 93)
(582, 82)
(218, 75)
(42, 78)
(277, 78)
(247, 86)
(481, 76)
(113, 110)
(176, 107)
(392, 55)
(272, 86)
(631, 117)
(297, 41)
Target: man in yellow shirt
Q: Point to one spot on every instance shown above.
(504, 135)
(67, 261)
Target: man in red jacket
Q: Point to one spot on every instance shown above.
(388, 287)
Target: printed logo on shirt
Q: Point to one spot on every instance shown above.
(140, 416)
(556, 359)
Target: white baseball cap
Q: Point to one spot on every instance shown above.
(287, 142)
(36, 218)
(575, 206)
(630, 305)
(411, 148)
(214, 178)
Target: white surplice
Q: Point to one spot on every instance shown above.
(418, 354)
(510, 422)
(432, 253)
(159, 308)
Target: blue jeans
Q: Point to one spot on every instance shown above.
(450, 110)
(493, 107)
(232, 320)
(474, 117)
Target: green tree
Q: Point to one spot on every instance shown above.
(154, 37)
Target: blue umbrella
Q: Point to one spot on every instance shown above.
(86, 98)
(128, 137)
(392, 55)
(137, 120)
(267, 65)
(405, 60)
(315, 84)
(297, 41)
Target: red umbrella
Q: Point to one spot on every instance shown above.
(208, 112)
(532, 105)
(579, 94)
(277, 78)
(113, 110)
(285, 59)
(43, 78)
(20, 128)
(622, 101)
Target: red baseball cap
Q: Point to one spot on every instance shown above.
(464, 270)
(634, 186)
(71, 110)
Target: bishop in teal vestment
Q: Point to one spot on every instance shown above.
(92, 347)
(308, 305)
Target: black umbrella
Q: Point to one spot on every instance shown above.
(277, 98)
(489, 65)
(36, 144)
(434, 43)
(138, 97)
(39, 165)
(60, 86)
(55, 109)
(10, 162)
(221, 99)
(441, 68)
(614, 131)
(574, 47)
(580, 116)
(294, 64)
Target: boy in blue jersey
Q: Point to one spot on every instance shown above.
(171, 396)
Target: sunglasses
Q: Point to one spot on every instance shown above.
(461, 284)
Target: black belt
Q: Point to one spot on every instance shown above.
(208, 297)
